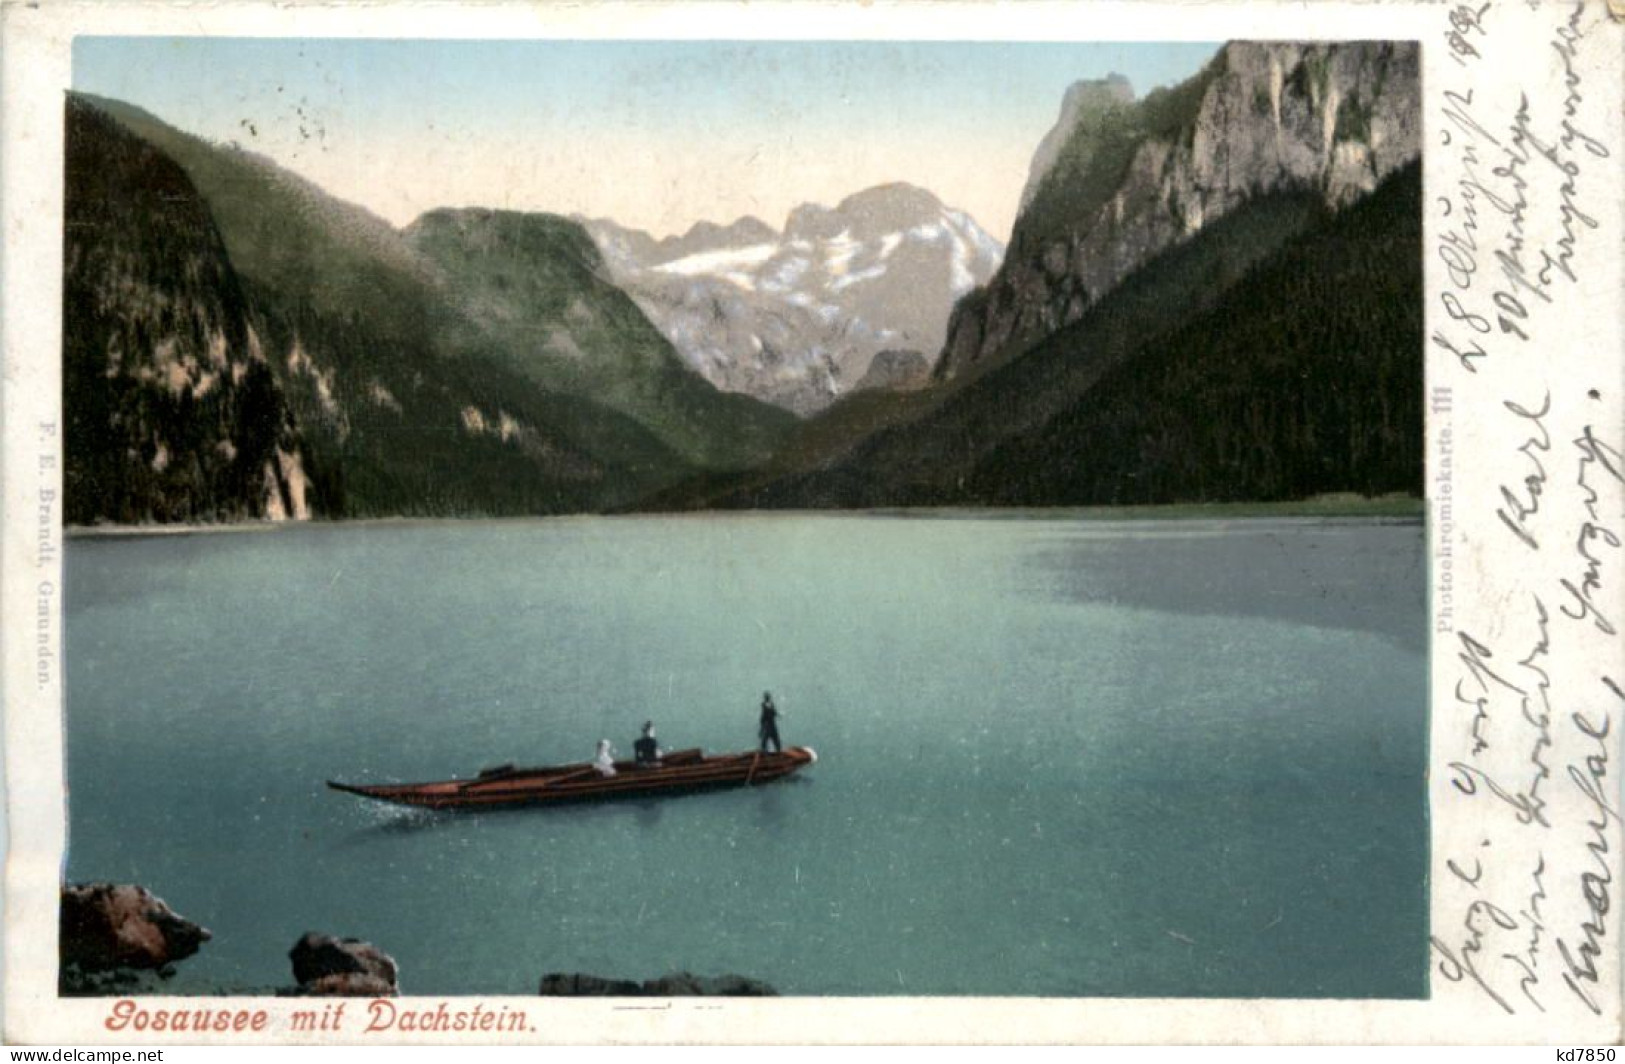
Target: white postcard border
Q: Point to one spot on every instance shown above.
(1483, 850)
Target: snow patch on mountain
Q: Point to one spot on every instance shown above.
(722, 262)
(868, 273)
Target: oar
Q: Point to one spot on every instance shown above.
(577, 774)
(569, 776)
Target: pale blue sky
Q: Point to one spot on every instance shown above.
(654, 134)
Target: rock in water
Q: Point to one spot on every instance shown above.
(345, 967)
(677, 984)
(682, 984)
(575, 984)
(107, 926)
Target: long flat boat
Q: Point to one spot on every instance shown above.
(678, 772)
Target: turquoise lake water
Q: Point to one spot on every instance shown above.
(1058, 757)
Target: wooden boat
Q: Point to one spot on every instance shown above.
(678, 772)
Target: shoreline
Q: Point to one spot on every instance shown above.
(1397, 508)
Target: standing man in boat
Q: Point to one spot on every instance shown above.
(768, 729)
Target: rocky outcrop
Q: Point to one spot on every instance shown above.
(896, 371)
(325, 966)
(1082, 99)
(677, 984)
(105, 927)
(797, 318)
(1118, 181)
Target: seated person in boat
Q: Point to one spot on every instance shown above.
(645, 750)
(605, 761)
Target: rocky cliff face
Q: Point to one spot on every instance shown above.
(174, 412)
(795, 318)
(1118, 181)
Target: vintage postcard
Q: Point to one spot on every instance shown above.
(831, 522)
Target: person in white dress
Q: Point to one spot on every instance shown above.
(605, 761)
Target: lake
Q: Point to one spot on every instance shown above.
(1058, 756)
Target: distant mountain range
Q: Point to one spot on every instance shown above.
(1212, 293)
(796, 318)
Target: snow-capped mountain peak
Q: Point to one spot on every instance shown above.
(796, 318)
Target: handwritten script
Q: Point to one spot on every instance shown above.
(1530, 712)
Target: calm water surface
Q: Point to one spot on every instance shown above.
(1058, 757)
